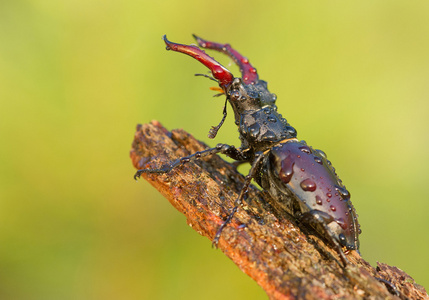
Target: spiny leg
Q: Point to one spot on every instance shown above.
(390, 286)
(323, 219)
(237, 203)
(213, 131)
(228, 150)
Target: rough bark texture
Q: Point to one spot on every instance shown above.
(263, 243)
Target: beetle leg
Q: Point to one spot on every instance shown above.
(239, 163)
(390, 286)
(228, 150)
(237, 203)
(213, 131)
(318, 217)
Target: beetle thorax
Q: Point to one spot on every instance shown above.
(260, 125)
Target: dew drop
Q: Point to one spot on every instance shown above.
(329, 195)
(254, 130)
(244, 60)
(286, 171)
(333, 208)
(342, 239)
(318, 160)
(308, 185)
(305, 149)
(291, 130)
(343, 192)
(319, 200)
(342, 223)
(323, 154)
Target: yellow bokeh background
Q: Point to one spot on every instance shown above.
(77, 76)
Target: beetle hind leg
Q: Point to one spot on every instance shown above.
(322, 219)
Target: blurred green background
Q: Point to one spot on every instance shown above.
(77, 76)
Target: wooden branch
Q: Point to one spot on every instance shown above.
(264, 244)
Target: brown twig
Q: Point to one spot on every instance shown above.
(266, 245)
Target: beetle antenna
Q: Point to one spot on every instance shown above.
(207, 76)
(213, 131)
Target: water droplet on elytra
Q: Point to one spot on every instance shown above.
(345, 194)
(340, 221)
(318, 160)
(323, 154)
(319, 200)
(305, 149)
(286, 171)
(308, 185)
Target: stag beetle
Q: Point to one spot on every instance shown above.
(300, 179)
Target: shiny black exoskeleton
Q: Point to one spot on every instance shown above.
(299, 178)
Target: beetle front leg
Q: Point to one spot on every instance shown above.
(228, 150)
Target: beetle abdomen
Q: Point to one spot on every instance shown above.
(307, 174)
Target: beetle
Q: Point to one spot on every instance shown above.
(299, 178)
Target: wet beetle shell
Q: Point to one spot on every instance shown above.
(304, 172)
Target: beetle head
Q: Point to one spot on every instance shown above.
(245, 94)
(247, 98)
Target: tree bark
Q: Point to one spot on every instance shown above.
(265, 244)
